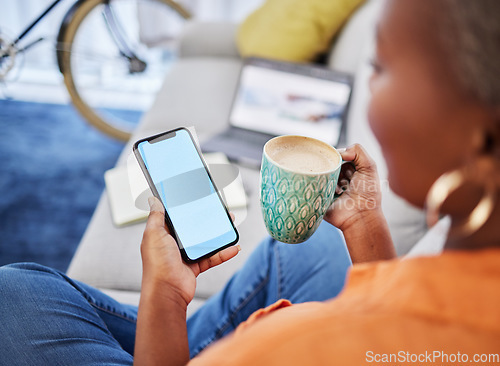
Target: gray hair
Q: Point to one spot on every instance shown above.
(471, 36)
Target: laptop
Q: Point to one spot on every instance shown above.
(279, 98)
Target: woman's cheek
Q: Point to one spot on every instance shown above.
(378, 108)
(383, 118)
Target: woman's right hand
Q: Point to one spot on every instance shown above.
(162, 261)
(357, 212)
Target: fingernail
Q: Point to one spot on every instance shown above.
(238, 247)
(341, 150)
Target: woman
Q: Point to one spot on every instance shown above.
(435, 110)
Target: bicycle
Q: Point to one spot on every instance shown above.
(120, 58)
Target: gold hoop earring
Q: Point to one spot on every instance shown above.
(449, 183)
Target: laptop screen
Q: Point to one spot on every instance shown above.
(280, 98)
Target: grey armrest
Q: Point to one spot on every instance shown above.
(207, 39)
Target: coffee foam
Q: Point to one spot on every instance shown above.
(302, 155)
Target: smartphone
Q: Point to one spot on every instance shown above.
(194, 210)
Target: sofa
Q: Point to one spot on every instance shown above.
(198, 91)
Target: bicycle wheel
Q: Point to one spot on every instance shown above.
(105, 50)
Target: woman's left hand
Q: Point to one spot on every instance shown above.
(162, 261)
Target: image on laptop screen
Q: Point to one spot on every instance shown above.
(278, 102)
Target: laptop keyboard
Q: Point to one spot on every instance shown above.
(246, 136)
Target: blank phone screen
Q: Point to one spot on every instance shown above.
(200, 220)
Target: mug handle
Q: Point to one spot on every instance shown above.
(353, 167)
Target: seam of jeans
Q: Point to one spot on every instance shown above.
(279, 272)
(225, 324)
(90, 299)
(111, 312)
(245, 301)
(201, 347)
(93, 302)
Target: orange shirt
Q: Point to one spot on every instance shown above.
(426, 311)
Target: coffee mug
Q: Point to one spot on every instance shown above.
(297, 185)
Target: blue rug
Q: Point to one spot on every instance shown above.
(51, 177)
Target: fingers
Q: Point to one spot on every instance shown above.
(360, 162)
(220, 257)
(232, 216)
(342, 186)
(346, 173)
(358, 155)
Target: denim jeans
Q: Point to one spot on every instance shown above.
(50, 319)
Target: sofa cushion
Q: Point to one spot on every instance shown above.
(347, 48)
(208, 39)
(196, 92)
(293, 30)
(108, 256)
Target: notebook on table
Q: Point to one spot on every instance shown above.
(280, 98)
(124, 201)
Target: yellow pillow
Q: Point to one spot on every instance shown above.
(293, 30)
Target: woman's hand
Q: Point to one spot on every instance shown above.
(162, 261)
(168, 286)
(357, 212)
(361, 189)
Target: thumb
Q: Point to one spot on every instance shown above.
(155, 204)
(156, 217)
(358, 155)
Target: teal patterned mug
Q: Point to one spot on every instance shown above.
(297, 185)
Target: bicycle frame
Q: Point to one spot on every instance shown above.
(135, 63)
(116, 31)
(32, 25)
(9, 49)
